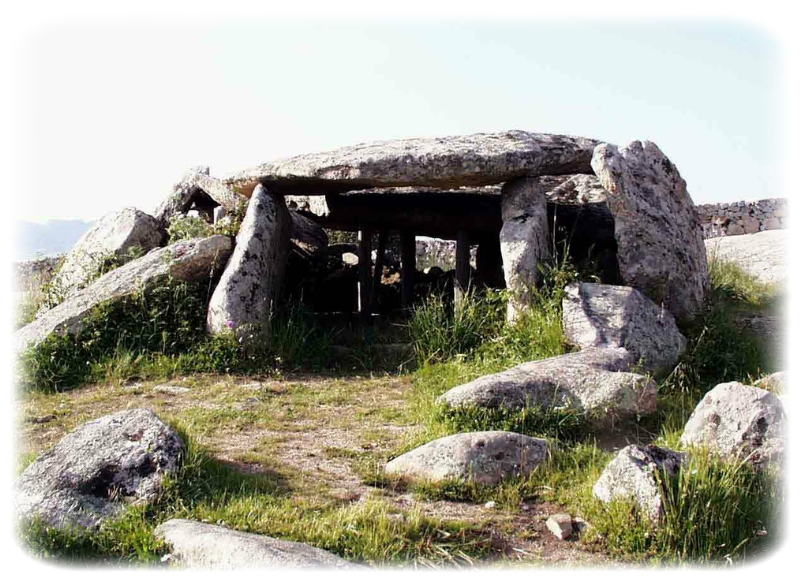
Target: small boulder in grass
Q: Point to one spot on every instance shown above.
(775, 382)
(560, 525)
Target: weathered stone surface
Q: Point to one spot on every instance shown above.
(198, 188)
(589, 380)
(635, 474)
(446, 162)
(796, 408)
(735, 420)
(660, 246)
(523, 240)
(196, 545)
(253, 278)
(111, 236)
(577, 190)
(189, 261)
(309, 240)
(791, 381)
(560, 525)
(485, 457)
(93, 472)
(764, 255)
(598, 315)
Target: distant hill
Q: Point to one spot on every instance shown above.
(47, 239)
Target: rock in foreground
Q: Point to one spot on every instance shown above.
(590, 381)
(204, 546)
(734, 420)
(188, 261)
(635, 474)
(485, 457)
(94, 471)
(597, 315)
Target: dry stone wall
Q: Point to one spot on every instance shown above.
(741, 217)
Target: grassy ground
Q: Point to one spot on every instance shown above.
(299, 455)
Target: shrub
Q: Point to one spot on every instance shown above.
(188, 227)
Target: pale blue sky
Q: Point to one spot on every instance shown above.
(117, 113)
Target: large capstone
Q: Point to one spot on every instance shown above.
(523, 240)
(590, 381)
(445, 162)
(99, 468)
(485, 457)
(738, 421)
(116, 237)
(660, 246)
(188, 261)
(252, 281)
(597, 315)
(196, 545)
(637, 474)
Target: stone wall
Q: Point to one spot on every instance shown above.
(22, 276)
(741, 217)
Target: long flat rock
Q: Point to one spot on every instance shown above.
(445, 162)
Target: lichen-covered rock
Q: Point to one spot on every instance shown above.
(485, 457)
(796, 408)
(598, 315)
(253, 278)
(523, 240)
(446, 162)
(791, 381)
(577, 190)
(591, 381)
(93, 472)
(734, 420)
(197, 186)
(188, 261)
(116, 235)
(636, 473)
(196, 545)
(660, 246)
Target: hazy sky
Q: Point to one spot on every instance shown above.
(117, 113)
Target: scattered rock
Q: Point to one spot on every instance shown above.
(560, 525)
(775, 382)
(485, 457)
(592, 380)
(734, 420)
(95, 470)
(763, 255)
(635, 474)
(171, 389)
(188, 261)
(198, 545)
(198, 188)
(350, 259)
(113, 236)
(491, 504)
(660, 246)
(253, 278)
(597, 315)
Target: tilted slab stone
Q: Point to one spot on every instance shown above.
(660, 246)
(308, 238)
(114, 235)
(734, 420)
(589, 380)
(94, 471)
(524, 240)
(636, 474)
(252, 280)
(791, 381)
(796, 408)
(598, 315)
(194, 182)
(446, 162)
(485, 457)
(196, 545)
(188, 261)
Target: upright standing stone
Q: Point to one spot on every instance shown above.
(659, 238)
(252, 280)
(524, 239)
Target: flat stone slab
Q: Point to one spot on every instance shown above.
(94, 471)
(445, 162)
(590, 381)
(763, 255)
(197, 545)
(485, 457)
(189, 261)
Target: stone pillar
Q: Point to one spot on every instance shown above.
(489, 263)
(407, 267)
(365, 279)
(462, 268)
(250, 287)
(381, 249)
(523, 240)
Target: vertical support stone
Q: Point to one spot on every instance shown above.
(462, 268)
(365, 284)
(407, 267)
(381, 249)
(489, 262)
(523, 240)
